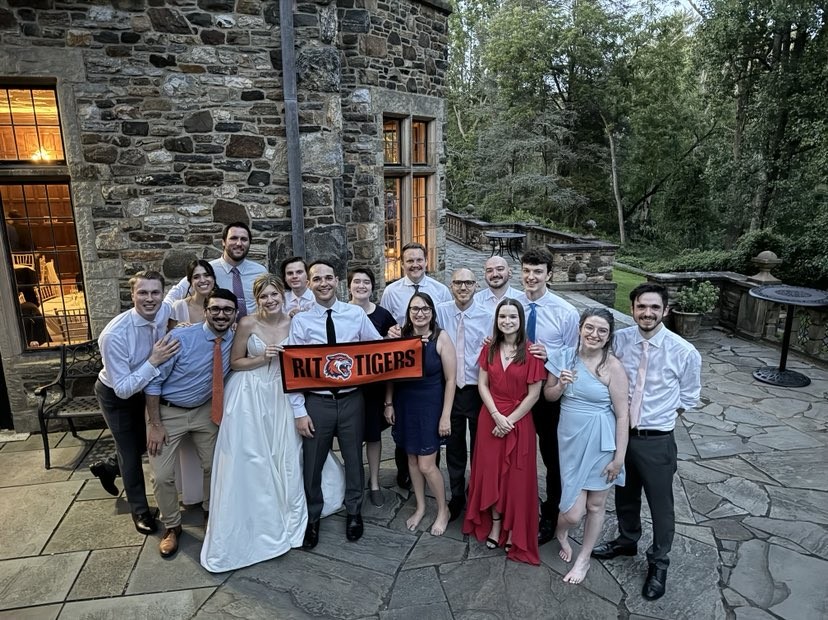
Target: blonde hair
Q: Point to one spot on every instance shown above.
(262, 282)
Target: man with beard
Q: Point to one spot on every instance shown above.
(665, 379)
(396, 295)
(298, 297)
(131, 357)
(322, 414)
(468, 324)
(233, 271)
(186, 398)
(551, 323)
(497, 274)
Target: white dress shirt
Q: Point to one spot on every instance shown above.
(351, 325)
(477, 326)
(556, 324)
(303, 302)
(673, 378)
(126, 344)
(396, 295)
(486, 298)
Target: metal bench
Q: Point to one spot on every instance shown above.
(72, 393)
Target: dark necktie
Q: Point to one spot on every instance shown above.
(329, 327)
(532, 322)
(416, 289)
(238, 291)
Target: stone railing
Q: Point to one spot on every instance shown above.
(579, 265)
(752, 317)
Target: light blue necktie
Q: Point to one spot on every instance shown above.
(532, 322)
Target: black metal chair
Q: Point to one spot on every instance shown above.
(72, 393)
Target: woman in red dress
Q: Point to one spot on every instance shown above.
(503, 489)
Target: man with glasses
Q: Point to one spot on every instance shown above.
(396, 295)
(186, 398)
(497, 274)
(551, 323)
(322, 414)
(467, 324)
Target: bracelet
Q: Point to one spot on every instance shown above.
(156, 425)
(388, 404)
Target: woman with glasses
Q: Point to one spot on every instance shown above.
(592, 433)
(420, 410)
(190, 310)
(503, 487)
(258, 509)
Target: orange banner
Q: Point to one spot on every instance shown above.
(325, 366)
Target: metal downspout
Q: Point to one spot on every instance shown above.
(297, 208)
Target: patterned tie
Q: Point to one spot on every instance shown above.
(330, 330)
(238, 290)
(640, 380)
(531, 322)
(461, 353)
(217, 406)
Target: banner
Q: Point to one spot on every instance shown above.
(326, 366)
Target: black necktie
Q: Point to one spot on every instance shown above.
(329, 328)
(416, 289)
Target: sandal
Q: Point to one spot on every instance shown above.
(491, 543)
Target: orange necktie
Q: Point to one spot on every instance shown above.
(217, 406)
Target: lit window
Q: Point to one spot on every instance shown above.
(29, 126)
(410, 203)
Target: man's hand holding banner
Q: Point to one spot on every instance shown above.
(332, 366)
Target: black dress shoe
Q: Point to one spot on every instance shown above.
(145, 523)
(404, 481)
(311, 536)
(353, 527)
(103, 473)
(546, 531)
(611, 549)
(455, 506)
(656, 583)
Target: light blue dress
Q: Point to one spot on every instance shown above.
(586, 431)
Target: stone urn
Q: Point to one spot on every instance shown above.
(686, 324)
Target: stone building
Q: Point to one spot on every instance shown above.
(132, 130)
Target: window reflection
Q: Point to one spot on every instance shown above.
(29, 126)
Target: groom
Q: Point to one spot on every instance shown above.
(322, 414)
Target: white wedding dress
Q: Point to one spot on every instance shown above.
(257, 497)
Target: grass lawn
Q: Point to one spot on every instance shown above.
(626, 282)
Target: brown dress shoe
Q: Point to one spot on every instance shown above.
(169, 542)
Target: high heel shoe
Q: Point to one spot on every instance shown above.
(491, 543)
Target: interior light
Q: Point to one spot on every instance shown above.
(41, 154)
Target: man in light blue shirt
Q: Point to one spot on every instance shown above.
(179, 403)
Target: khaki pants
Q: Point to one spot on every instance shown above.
(180, 422)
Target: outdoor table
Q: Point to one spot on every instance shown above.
(54, 311)
(791, 296)
(509, 241)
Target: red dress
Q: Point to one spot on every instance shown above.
(504, 469)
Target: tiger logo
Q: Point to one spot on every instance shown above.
(338, 366)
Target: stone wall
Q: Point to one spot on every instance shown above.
(173, 123)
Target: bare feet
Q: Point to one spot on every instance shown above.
(440, 523)
(563, 538)
(578, 572)
(414, 520)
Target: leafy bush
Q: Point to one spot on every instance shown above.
(700, 297)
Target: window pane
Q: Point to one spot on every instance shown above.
(29, 126)
(8, 146)
(41, 233)
(28, 144)
(50, 143)
(45, 106)
(419, 142)
(5, 112)
(21, 107)
(392, 243)
(419, 210)
(391, 141)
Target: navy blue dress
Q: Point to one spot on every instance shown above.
(418, 405)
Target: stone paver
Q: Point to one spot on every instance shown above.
(751, 531)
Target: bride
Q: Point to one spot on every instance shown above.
(258, 508)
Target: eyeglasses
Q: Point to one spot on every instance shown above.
(225, 310)
(424, 310)
(463, 283)
(601, 331)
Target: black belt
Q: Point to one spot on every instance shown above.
(167, 403)
(335, 395)
(644, 432)
(468, 386)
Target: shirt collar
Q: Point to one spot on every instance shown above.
(408, 282)
(138, 320)
(656, 340)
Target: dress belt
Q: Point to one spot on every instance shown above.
(333, 396)
(644, 432)
(167, 403)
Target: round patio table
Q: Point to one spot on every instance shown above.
(791, 296)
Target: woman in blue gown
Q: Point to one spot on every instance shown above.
(592, 433)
